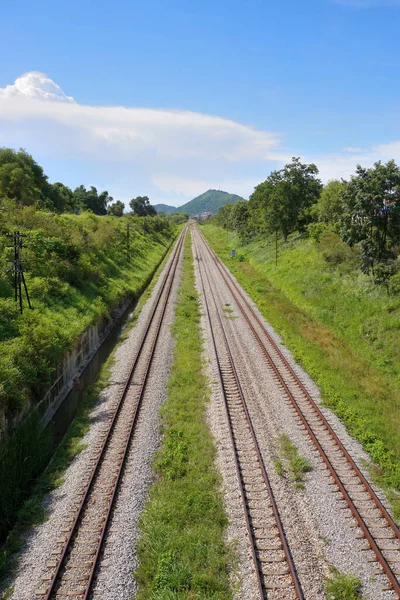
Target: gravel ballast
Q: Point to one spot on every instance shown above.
(115, 576)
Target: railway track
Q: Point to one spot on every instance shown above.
(376, 524)
(274, 567)
(73, 563)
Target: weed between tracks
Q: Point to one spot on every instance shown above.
(340, 330)
(297, 466)
(181, 551)
(342, 587)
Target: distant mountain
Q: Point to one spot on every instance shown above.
(210, 201)
(165, 208)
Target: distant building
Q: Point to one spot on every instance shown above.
(205, 215)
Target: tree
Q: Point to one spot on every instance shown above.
(240, 218)
(116, 209)
(329, 208)
(371, 211)
(141, 207)
(61, 197)
(224, 216)
(91, 200)
(21, 177)
(283, 202)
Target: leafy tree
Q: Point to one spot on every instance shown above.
(141, 207)
(224, 216)
(21, 177)
(240, 217)
(329, 208)
(91, 200)
(283, 202)
(116, 209)
(371, 211)
(61, 197)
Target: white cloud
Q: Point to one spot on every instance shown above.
(35, 85)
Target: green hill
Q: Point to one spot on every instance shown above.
(165, 208)
(210, 201)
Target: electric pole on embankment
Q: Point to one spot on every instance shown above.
(18, 270)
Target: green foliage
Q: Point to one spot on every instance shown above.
(21, 177)
(297, 466)
(31, 444)
(371, 211)
(141, 207)
(341, 586)
(210, 201)
(77, 270)
(283, 202)
(181, 550)
(342, 327)
(116, 209)
(329, 208)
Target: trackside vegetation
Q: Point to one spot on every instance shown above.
(181, 551)
(339, 324)
(32, 510)
(77, 271)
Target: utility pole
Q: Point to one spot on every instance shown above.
(18, 270)
(276, 248)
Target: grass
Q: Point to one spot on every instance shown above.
(341, 586)
(296, 466)
(32, 512)
(77, 272)
(181, 550)
(343, 329)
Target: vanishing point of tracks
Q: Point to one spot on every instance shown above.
(362, 504)
(72, 566)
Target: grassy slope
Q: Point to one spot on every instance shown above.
(76, 272)
(342, 328)
(181, 551)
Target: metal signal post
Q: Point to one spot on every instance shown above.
(18, 271)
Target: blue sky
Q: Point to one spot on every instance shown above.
(318, 79)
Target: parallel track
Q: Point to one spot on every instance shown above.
(377, 525)
(274, 566)
(74, 564)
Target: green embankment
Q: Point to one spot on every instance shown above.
(77, 271)
(181, 550)
(339, 325)
(32, 510)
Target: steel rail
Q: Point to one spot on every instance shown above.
(282, 535)
(235, 291)
(56, 575)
